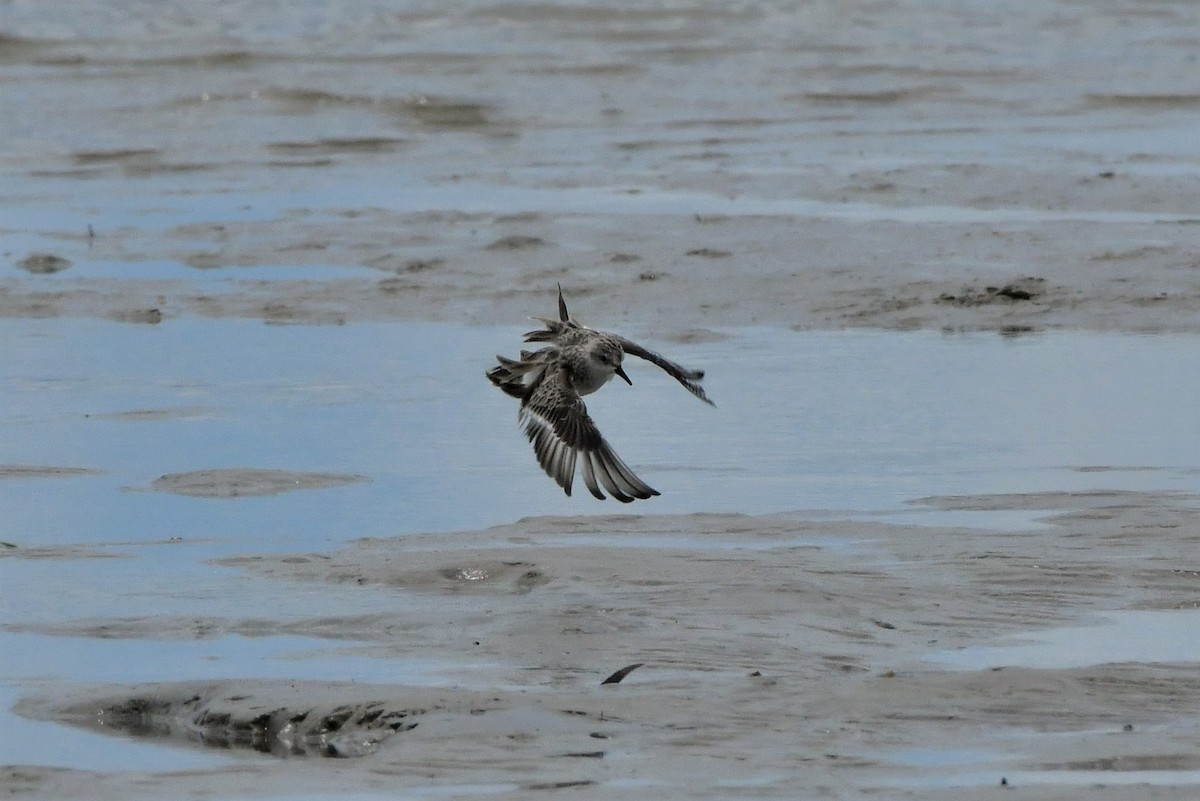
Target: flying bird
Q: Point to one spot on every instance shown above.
(551, 382)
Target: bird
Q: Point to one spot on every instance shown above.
(550, 383)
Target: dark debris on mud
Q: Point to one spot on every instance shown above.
(219, 721)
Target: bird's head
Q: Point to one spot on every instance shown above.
(611, 355)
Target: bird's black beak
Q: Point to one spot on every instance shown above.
(621, 372)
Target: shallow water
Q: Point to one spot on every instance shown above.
(854, 422)
(1123, 636)
(843, 424)
(163, 130)
(33, 742)
(1017, 779)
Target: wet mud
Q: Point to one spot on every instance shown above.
(751, 652)
(233, 482)
(241, 554)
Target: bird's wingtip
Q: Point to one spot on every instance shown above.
(562, 305)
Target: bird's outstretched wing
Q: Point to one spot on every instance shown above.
(557, 424)
(689, 378)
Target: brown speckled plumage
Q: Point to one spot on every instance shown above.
(551, 383)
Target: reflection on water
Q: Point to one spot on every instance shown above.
(33, 742)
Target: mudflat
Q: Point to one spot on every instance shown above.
(234, 563)
(780, 655)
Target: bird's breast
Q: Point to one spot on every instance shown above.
(588, 381)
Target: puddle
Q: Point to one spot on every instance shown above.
(980, 519)
(488, 198)
(1092, 778)
(37, 742)
(1129, 636)
(986, 769)
(701, 543)
(1018, 779)
(297, 727)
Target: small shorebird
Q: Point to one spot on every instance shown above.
(551, 383)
